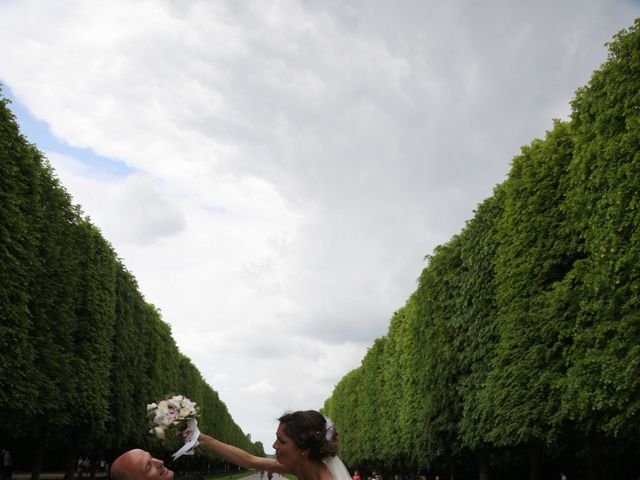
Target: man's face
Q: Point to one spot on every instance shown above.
(142, 466)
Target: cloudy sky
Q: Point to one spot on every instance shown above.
(274, 172)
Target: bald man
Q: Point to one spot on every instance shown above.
(139, 465)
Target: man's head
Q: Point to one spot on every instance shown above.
(139, 465)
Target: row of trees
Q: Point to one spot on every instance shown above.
(520, 349)
(81, 353)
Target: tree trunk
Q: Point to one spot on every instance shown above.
(38, 455)
(595, 460)
(70, 462)
(483, 465)
(535, 461)
(452, 469)
(483, 473)
(92, 467)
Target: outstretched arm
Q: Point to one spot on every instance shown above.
(238, 456)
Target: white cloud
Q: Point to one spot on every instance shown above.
(263, 386)
(292, 161)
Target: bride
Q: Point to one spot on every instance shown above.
(306, 445)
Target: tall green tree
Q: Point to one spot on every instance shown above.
(522, 337)
(19, 173)
(343, 408)
(92, 333)
(603, 386)
(131, 388)
(477, 335)
(535, 305)
(393, 447)
(438, 309)
(81, 353)
(54, 284)
(370, 404)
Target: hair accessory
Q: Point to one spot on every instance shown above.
(328, 428)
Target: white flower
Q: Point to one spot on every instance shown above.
(164, 421)
(170, 413)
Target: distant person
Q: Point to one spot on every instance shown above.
(80, 467)
(356, 475)
(7, 465)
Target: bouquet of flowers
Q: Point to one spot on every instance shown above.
(171, 414)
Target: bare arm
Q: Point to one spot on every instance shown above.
(240, 457)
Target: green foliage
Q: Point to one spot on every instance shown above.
(438, 312)
(603, 381)
(18, 250)
(81, 352)
(533, 296)
(345, 405)
(522, 339)
(478, 310)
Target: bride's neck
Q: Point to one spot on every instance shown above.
(313, 471)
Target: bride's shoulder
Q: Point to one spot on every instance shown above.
(329, 475)
(337, 469)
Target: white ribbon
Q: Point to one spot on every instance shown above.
(191, 440)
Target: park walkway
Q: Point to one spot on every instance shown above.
(52, 476)
(60, 476)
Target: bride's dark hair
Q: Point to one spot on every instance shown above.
(308, 430)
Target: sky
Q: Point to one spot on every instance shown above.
(275, 172)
